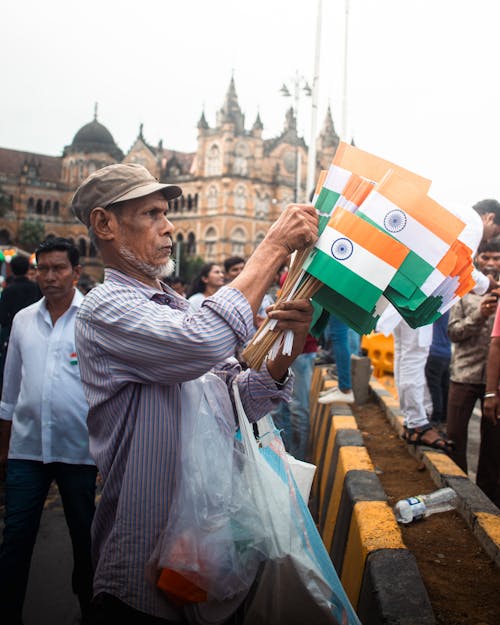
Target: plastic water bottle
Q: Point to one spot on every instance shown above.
(421, 506)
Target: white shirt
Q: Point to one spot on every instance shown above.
(196, 300)
(42, 392)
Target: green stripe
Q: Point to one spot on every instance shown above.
(414, 270)
(347, 311)
(325, 204)
(349, 284)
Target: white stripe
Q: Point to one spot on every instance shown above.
(347, 205)
(361, 261)
(433, 282)
(414, 235)
(337, 178)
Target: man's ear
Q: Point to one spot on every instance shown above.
(103, 223)
(77, 272)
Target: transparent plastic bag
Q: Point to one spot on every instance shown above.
(297, 582)
(205, 552)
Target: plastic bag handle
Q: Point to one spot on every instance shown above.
(247, 436)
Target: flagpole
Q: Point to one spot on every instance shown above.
(311, 160)
(344, 86)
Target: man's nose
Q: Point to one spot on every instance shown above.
(168, 226)
(50, 275)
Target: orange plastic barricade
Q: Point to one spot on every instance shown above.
(380, 350)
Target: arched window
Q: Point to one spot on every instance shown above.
(191, 244)
(47, 207)
(179, 240)
(55, 209)
(240, 167)
(240, 199)
(210, 243)
(195, 201)
(214, 167)
(189, 202)
(262, 206)
(238, 239)
(31, 205)
(92, 250)
(39, 207)
(212, 197)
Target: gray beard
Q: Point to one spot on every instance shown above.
(151, 271)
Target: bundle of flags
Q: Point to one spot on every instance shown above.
(384, 240)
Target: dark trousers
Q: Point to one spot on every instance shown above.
(461, 401)
(27, 486)
(437, 375)
(488, 466)
(109, 610)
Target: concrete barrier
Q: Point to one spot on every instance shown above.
(358, 527)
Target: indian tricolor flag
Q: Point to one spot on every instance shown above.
(373, 167)
(333, 182)
(406, 213)
(355, 259)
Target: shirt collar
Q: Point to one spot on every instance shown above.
(75, 303)
(114, 275)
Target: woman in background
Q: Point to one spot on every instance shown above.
(207, 282)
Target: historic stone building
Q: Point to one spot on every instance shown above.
(234, 185)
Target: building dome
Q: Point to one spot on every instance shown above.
(94, 137)
(93, 133)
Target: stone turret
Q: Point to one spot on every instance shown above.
(230, 113)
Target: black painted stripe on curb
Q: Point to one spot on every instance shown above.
(343, 438)
(392, 591)
(359, 485)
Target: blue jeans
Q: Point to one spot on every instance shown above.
(27, 486)
(337, 332)
(293, 418)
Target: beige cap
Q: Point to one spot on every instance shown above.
(117, 183)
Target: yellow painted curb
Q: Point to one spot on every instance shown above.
(373, 526)
(490, 523)
(349, 458)
(338, 423)
(443, 464)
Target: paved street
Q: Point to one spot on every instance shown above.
(50, 600)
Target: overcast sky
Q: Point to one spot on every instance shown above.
(423, 85)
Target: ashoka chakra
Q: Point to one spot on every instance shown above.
(342, 249)
(395, 221)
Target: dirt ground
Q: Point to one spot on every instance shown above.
(462, 582)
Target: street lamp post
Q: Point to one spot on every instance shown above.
(299, 85)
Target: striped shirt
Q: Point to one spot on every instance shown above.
(136, 347)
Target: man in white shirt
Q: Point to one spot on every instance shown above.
(43, 430)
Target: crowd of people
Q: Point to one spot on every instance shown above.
(92, 378)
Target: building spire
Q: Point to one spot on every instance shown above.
(328, 136)
(231, 111)
(95, 112)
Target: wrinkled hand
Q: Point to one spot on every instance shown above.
(296, 228)
(295, 315)
(490, 409)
